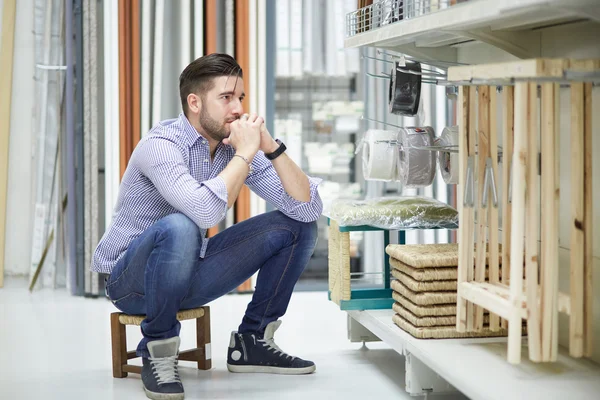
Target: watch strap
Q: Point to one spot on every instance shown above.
(278, 152)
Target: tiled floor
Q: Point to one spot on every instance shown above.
(54, 346)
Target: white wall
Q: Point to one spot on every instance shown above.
(18, 219)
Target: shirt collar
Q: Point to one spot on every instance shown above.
(190, 134)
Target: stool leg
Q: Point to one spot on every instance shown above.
(119, 345)
(203, 339)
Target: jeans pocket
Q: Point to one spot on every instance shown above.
(132, 303)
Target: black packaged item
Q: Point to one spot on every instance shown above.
(405, 89)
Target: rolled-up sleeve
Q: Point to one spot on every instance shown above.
(265, 182)
(163, 163)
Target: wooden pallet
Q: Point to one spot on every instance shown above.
(534, 298)
(6, 68)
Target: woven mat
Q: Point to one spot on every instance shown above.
(426, 274)
(429, 255)
(433, 273)
(424, 298)
(442, 332)
(425, 311)
(442, 320)
(430, 286)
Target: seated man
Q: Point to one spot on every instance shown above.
(181, 179)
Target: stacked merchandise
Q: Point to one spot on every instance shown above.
(424, 290)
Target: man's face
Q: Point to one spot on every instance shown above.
(221, 106)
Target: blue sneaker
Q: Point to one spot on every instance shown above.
(160, 375)
(251, 353)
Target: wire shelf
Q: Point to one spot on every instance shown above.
(387, 12)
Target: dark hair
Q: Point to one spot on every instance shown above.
(198, 76)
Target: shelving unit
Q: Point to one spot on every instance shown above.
(514, 26)
(441, 365)
(478, 32)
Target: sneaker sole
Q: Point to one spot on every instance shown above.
(164, 396)
(271, 370)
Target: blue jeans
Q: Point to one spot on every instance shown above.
(162, 272)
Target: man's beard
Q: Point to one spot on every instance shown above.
(212, 127)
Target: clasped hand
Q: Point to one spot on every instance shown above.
(248, 135)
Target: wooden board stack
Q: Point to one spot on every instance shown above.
(425, 291)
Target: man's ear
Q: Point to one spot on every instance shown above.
(194, 103)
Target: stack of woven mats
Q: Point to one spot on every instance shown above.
(424, 290)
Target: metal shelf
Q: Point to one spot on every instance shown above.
(509, 25)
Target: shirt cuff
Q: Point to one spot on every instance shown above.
(290, 203)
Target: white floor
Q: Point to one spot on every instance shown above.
(55, 346)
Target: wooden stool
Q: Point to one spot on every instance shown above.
(201, 354)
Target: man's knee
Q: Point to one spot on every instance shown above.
(181, 227)
(307, 232)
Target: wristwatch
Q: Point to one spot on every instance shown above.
(278, 152)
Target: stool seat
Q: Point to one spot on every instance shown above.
(201, 354)
(183, 315)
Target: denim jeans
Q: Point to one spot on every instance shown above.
(162, 273)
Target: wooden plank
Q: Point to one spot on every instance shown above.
(476, 293)
(191, 355)
(588, 300)
(210, 46)
(203, 339)
(508, 98)
(470, 221)
(532, 68)
(136, 55)
(6, 74)
(123, 83)
(577, 216)
(494, 267)
(210, 26)
(518, 220)
(118, 336)
(483, 148)
(134, 369)
(242, 46)
(532, 226)
(463, 229)
(549, 225)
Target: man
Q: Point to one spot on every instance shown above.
(180, 181)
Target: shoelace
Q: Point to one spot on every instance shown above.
(270, 344)
(165, 369)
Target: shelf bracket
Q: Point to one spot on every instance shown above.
(420, 379)
(523, 44)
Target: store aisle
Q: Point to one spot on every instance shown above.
(54, 346)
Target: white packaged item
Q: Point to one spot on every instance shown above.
(448, 161)
(380, 154)
(416, 165)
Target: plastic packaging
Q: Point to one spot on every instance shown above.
(380, 154)
(404, 95)
(449, 161)
(395, 213)
(416, 167)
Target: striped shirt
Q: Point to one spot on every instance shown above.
(171, 171)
